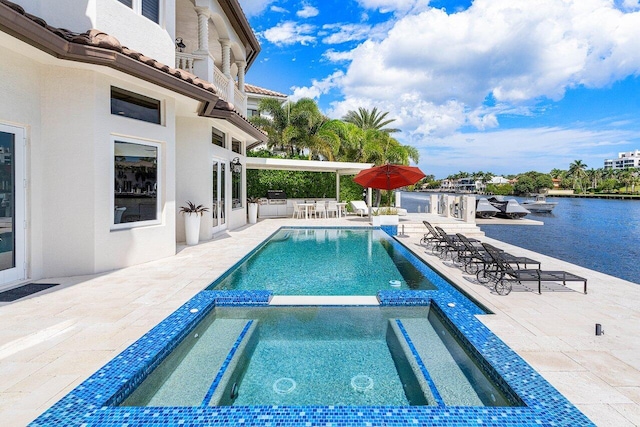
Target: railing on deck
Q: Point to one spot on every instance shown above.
(184, 61)
(239, 100)
(221, 82)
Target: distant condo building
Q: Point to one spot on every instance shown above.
(630, 159)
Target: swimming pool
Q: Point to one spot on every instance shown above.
(105, 398)
(326, 261)
(322, 356)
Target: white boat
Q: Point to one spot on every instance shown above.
(539, 204)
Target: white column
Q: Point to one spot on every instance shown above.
(226, 57)
(203, 30)
(369, 202)
(433, 204)
(469, 213)
(242, 65)
(337, 186)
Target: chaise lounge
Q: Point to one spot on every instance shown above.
(361, 208)
(508, 274)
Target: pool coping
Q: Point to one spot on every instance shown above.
(91, 403)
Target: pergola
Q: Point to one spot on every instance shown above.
(339, 168)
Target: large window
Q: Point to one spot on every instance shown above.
(135, 183)
(134, 106)
(147, 8)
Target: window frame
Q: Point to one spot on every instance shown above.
(112, 176)
(132, 94)
(136, 6)
(240, 188)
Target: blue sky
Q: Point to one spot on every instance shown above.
(505, 86)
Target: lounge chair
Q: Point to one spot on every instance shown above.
(359, 207)
(477, 260)
(508, 274)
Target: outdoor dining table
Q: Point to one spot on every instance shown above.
(306, 207)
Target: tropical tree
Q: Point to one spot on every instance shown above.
(577, 172)
(373, 119)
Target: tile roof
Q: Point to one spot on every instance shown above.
(262, 91)
(76, 46)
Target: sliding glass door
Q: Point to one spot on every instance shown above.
(12, 212)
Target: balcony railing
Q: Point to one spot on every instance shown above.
(225, 86)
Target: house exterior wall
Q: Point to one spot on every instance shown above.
(112, 17)
(66, 113)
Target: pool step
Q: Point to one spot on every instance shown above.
(186, 376)
(450, 380)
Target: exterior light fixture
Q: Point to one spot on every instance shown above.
(180, 45)
(599, 330)
(236, 167)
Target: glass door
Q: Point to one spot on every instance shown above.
(219, 206)
(12, 215)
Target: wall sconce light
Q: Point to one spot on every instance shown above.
(180, 44)
(599, 330)
(236, 167)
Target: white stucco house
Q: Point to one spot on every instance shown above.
(114, 113)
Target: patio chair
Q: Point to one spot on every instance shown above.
(478, 261)
(508, 274)
(320, 209)
(297, 212)
(332, 208)
(359, 207)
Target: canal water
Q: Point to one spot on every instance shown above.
(602, 235)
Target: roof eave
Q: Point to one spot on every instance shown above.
(240, 24)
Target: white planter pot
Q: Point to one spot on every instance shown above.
(253, 213)
(389, 219)
(192, 228)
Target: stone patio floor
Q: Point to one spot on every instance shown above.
(52, 341)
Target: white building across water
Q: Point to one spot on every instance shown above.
(629, 159)
(113, 114)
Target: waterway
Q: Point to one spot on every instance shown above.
(602, 235)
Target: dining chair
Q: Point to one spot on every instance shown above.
(320, 210)
(332, 207)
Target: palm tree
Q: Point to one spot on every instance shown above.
(577, 172)
(373, 119)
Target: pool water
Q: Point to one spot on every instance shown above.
(328, 261)
(354, 356)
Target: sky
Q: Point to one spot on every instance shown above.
(505, 86)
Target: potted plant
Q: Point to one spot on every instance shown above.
(192, 214)
(252, 206)
(384, 216)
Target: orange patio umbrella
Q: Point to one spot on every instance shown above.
(389, 177)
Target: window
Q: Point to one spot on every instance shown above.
(236, 146)
(147, 8)
(217, 137)
(135, 177)
(151, 10)
(236, 190)
(251, 113)
(134, 106)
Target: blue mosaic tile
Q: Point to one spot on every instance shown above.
(94, 402)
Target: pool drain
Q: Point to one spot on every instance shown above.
(361, 383)
(395, 283)
(284, 385)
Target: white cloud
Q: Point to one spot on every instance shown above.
(631, 4)
(317, 88)
(289, 32)
(434, 70)
(341, 33)
(307, 11)
(335, 56)
(255, 7)
(278, 9)
(386, 6)
(519, 150)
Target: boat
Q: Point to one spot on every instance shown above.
(484, 209)
(539, 204)
(510, 209)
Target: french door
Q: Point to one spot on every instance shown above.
(219, 208)
(12, 202)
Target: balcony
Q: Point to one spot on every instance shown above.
(204, 67)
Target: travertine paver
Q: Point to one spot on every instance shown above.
(53, 341)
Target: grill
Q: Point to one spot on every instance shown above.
(276, 194)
